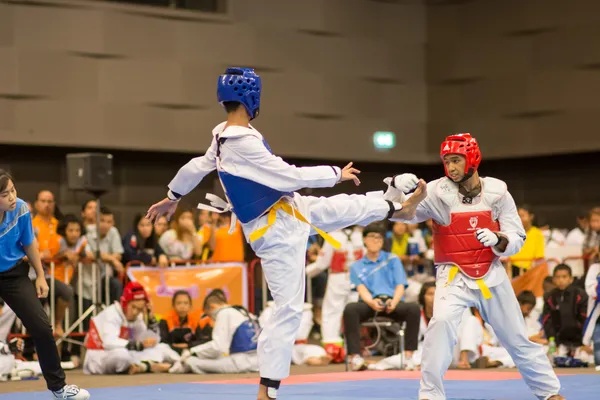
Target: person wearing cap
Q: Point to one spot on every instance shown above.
(475, 222)
(121, 341)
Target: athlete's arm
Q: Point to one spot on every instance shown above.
(259, 165)
(512, 234)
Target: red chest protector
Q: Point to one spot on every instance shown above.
(339, 261)
(93, 340)
(456, 243)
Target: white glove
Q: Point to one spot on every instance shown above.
(487, 237)
(405, 182)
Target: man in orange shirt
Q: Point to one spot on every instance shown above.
(44, 226)
(226, 247)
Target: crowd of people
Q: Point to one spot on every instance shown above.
(221, 338)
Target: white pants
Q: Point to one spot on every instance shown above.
(10, 366)
(469, 337)
(302, 352)
(497, 353)
(102, 362)
(7, 363)
(337, 295)
(238, 363)
(503, 313)
(7, 319)
(283, 254)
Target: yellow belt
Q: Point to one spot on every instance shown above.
(482, 286)
(286, 207)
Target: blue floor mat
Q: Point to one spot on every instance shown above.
(575, 387)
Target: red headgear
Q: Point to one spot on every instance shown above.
(465, 145)
(336, 352)
(133, 291)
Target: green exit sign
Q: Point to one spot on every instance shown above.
(384, 140)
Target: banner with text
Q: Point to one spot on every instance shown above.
(197, 280)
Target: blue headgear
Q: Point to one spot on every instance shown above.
(241, 85)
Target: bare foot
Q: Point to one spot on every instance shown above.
(135, 369)
(159, 367)
(464, 365)
(58, 330)
(556, 397)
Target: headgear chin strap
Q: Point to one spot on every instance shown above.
(465, 145)
(131, 292)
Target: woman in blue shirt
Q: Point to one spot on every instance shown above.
(18, 244)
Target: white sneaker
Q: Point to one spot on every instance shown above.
(597, 368)
(71, 392)
(358, 363)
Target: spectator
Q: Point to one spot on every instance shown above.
(527, 302)
(45, 225)
(204, 218)
(591, 243)
(141, 244)
(397, 241)
(88, 213)
(232, 349)
(72, 247)
(533, 248)
(111, 252)
(109, 353)
(565, 310)
(181, 243)
(45, 228)
(161, 226)
(180, 328)
(576, 236)
(380, 280)
(226, 247)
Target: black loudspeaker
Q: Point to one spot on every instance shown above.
(91, 172)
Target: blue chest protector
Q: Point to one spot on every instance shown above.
(246, 335)
(249, 199)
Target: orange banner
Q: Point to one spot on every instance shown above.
(197, 280)
(532, 280)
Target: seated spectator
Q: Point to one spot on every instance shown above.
(380, 280)
(527, 302)
(111, 252)
(565, 310)
(232, 349)
(426, 297)
(533, 248)
(7, 319)
(181, 243)
(72, 247)
(120, 341)
(591, 337)
(141, 244)
(226, 247)
(303, 353)
(591, 243)
(181, 329)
